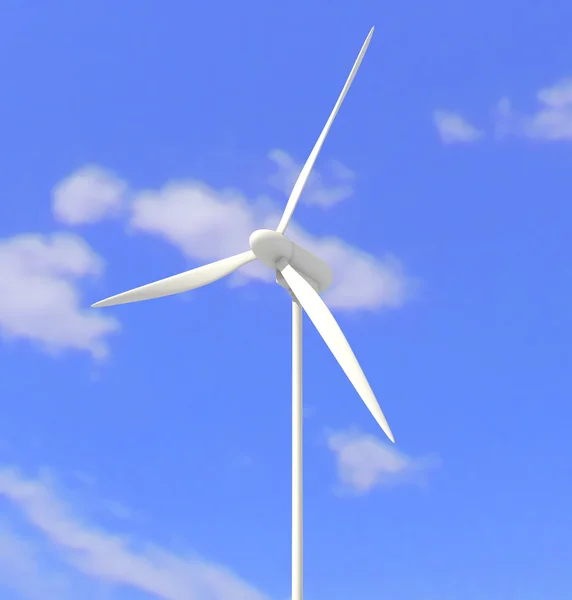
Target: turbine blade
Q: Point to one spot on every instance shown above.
(331, 333)
(189, 280)
(305, 173)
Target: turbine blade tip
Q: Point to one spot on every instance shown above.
(388, 433)
(100, 304)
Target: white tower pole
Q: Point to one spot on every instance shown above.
(297, 522)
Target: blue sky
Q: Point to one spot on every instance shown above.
(145, 449)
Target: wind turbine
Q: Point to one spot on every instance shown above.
(304, 276)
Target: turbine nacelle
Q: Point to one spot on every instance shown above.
(275, 250)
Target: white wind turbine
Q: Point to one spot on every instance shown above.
(305, 276)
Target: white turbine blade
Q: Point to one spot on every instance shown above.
(331, 333)
(189, 280)
(305, 173)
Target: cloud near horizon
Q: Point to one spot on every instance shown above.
(96, 555)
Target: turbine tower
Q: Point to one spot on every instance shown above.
(305, 277)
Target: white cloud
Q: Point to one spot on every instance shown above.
(453, 128)
(365, 462)
(109, 558)
(360, 279)
(551, 122)
(317, 192)
(88, 195)
(202, 222)
(206, 224)
(39, 296)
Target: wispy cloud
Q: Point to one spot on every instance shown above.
(208, 224)
(319, 191)
(106, 557)
(87, 196)
(454, 129)
(22, 570)
(551, 122)
(39, 294)
(365, 462)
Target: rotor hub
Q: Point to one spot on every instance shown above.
(270, 246)
(275, 250)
